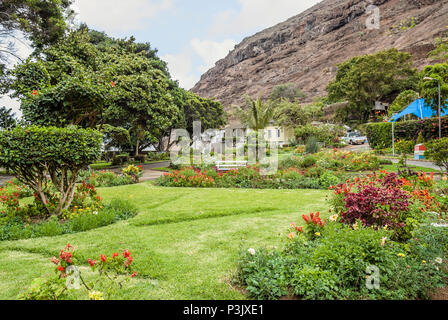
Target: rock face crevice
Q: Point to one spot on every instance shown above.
(306, 48)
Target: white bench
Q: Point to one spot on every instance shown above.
(230, 165)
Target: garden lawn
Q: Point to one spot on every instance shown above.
(185, 242)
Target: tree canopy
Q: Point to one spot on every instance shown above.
(43, 22)
(430, 88)
(89, 79)
(365, 79)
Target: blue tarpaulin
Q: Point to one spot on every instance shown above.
(418, 108)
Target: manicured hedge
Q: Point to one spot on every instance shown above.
(380, 134)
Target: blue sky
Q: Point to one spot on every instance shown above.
(191, 35)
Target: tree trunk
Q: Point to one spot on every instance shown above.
(137, 146)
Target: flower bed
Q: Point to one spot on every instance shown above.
(381, 241)
(318, 171)
(86, 212)
(130, 175)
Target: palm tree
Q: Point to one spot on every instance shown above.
(257, 115)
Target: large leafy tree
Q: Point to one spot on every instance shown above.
(365, 79)
(69, 84)
(430, 88)
(89, 79)
(43, 22)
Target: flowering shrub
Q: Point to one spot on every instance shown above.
(135, 172)
(112, 272)
(107, 179)
(187, 177)
(336, 263)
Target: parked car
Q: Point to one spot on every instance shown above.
(354, 138)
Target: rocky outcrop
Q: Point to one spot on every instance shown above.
(306, 48)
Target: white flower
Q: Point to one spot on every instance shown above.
(439, 260)
(383, 241)
(95, 212)
(334, 217)
(251, 251)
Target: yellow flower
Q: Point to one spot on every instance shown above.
(96, 295)
(424, 261)
(317, 234)
(401, 255)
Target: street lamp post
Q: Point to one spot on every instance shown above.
(440, 102)
(393, 136)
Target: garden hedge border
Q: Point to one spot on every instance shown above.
(380, 134)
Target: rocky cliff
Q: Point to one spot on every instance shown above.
(306, 48)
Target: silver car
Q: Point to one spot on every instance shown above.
(354, 138)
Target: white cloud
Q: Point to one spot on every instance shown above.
(181, 68)
(119, 15)
(181, 65)
(257, 15)
(211, 51)
(11, 104)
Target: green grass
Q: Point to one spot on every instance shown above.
(395, 167)
(185, 242)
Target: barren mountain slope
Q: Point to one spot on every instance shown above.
(306, 48)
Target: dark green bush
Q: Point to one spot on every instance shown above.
(120, 159)
(335, 264)
(437, 150)
(380, 134)
(43, 156)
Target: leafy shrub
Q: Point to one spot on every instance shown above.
(380, 134)
(334, 265)
(437, 150)
(111, 271)
(120, 159)
(134, 172)
(328, 179)
(312, 145)
(40, 155)
(106, 179)
(140, 158)
(308, 162)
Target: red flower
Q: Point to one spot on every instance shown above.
(91, 262)
(134, 275)
(61, 268)
(103, 258)
(126, 253)
(128, 261)
(55, 260)
(114, 255)
(34, 93)
(112, 84)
